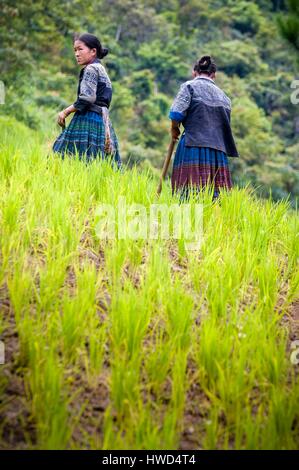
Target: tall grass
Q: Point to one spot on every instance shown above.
(180, 339)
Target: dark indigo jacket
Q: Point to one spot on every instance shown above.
(204, 110)
(94, 88)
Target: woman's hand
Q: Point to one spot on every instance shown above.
(175, 132)
(61, 119)
(175, 129)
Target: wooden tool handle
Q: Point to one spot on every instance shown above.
(166, 165)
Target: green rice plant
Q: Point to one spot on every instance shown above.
(158, 358)
(280, 427)
(97, 341)
(130, 319)
(179, 314)
(266, 277)
(146, 318)
(49, 396)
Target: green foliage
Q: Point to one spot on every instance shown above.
(247, 16)
(238, 57)
(289, 24)
(153, 47)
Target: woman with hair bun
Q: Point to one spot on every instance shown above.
(204, 110)
(90, 132)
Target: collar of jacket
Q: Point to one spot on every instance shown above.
(205, 78)
(95, 61)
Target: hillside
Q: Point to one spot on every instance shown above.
(153, 47)
(138, 343)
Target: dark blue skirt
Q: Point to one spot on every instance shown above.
(85, 136)
(197, 167)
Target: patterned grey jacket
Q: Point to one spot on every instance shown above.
(94, 88)
(204, 110)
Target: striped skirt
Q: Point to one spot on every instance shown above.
(197, 167)
(90, 135)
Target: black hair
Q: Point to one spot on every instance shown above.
(92, 42)
(205, 65)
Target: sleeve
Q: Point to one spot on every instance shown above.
(181, 103)
(88, 88)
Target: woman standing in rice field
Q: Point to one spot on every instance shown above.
(90, 132)
(201, 156)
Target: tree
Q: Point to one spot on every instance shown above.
(289, 24)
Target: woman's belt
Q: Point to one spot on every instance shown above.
(97, 108)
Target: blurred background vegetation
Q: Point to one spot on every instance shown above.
(153, 46)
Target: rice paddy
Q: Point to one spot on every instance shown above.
(139, 343)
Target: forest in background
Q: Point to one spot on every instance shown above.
(153, 46)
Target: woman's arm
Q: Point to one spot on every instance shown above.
(88, 88)
(179, 109)
(87, 95)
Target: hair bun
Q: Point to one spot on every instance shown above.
(104, 52)
(205, 62)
